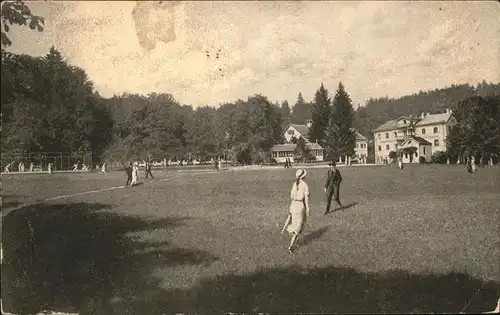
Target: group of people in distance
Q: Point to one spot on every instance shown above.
(288, 163)
(132, 173)
(299, 207)
(21, 167)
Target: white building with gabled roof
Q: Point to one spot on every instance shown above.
(282, 151)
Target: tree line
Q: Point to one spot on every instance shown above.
(50, 105)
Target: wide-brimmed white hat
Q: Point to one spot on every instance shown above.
(301, 173)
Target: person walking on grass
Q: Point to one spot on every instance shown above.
(299, 209)
(468, 164)
(49, 168)
(332, 187)
(400, 163)
(103, 168)
(135, 174)
(148, 170)
(128, 173)
(473, 164)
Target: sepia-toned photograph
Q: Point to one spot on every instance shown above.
(257, 157)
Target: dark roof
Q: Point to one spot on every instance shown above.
(434, 119)
(419, 140)
(390, 125)
(431, 119)
(360, 137)
(291, 147)
(283, 147)
(302, 129)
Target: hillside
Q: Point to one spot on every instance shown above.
(377, 111)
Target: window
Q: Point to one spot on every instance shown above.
(435, 129)
(395, 135)
(424, 150)
(406, 155)
(387, 147)
(380, 148)
(396, 146)
(436, 142)
(404, 121)
(387, 135)
(379, 136)
(423, 131)
(290, 132)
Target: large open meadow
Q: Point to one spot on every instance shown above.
(422, 239)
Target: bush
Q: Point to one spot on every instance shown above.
(439, 157)
(393, 155)
(421, 159)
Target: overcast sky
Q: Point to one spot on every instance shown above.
(277, 49)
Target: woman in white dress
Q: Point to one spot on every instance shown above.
(473, 164)
(299, 208)
(135, 174)
(49, 168)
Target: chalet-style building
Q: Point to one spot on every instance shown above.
(287, 150)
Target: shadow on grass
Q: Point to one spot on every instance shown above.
(9, 201)
(79, 257)
(309, 238)
(323, 290)
(346, 207)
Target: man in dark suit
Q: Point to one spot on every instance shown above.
(148, 170)
(128, 173)
(332, 187)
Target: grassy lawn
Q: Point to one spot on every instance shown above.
(424, 239)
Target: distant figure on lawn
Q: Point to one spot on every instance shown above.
(7, 168)
(299, 208)
(473, 164)
(128, 173)
(148, 170)
(32, 167)
(135, 174)
(468, 164)
(103, 168)
(400, 163)
(219, 164)
(49, 168)
(332, 186)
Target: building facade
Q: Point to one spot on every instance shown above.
(282, 151)
(433, 128)
(361, 148)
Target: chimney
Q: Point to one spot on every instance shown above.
(422, 115)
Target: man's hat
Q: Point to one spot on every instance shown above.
(332, 163)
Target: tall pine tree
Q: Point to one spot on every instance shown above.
(340, 137)
(320, 115)
(301, 111)
(286, 112)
